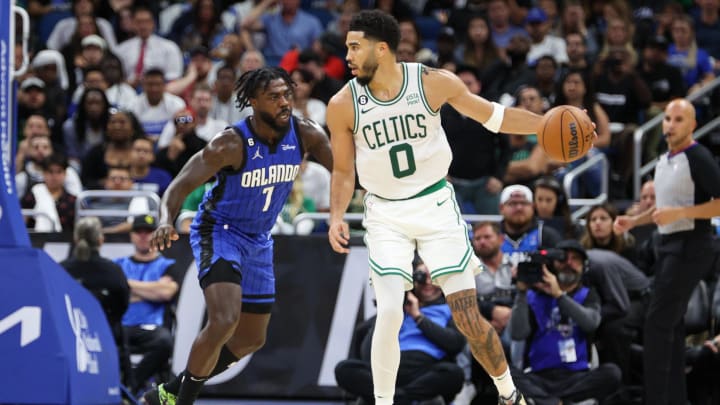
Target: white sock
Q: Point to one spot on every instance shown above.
(385, 351)
(504, 384)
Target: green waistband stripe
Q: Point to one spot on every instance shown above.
(428, 190)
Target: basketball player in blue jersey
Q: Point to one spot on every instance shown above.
(385, 122)
(255, 162)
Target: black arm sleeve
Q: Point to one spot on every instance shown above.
(586, 315)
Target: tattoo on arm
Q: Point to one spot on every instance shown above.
(482, 338)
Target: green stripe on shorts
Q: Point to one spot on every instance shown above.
(386, 271)
(458, 268)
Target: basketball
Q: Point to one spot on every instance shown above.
(565, 133)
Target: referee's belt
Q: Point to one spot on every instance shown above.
(427, 190)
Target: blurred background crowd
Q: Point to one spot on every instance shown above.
(119, 94)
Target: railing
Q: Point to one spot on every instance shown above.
(355, 217)
(83, 211)
(646, 127)
(586, 203)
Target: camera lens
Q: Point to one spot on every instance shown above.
(420, 277)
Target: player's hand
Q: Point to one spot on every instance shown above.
(667, 215)
(163, 237)
(595, 134)
(339, 236)
(622, 224)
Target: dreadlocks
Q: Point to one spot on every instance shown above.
(251, 81)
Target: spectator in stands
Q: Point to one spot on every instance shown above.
(228, 52)
(325, 86)
(502, 30)
(684, 53)
(558, 317)
(183, 145)
(480, 156)
(316, 184)
(479, 50)
(206, 127)
(118, 179)
(665, 83)
(73, 60)
(64, 30)
(551, 207)
(573, 21)
(120, 94)
(296, 203)
(251, 60)
(198, 26)
(50, 199)
(522, 232)
(647, 199)
(36, 125)
(446, 44)
(288, 28)
(409, 31)
(707, 28)
(104, 279)
(576, 89)
(223, 102)
(545, 72)
(31, 172)
(33, 101)
(619, 34)
(155, 107)
(93, 77)
(704, 363)
(92, 52)
(327, 46)
(48, 66)
(543, 43)
(197, 74)
(406, 52)
(123, 25)
(599, 232)
(620, 90)
(122, 129)
(304, 105)
(86, 128)
(577, 52)
(665, 17)
(397, 8)
(505, 76)
(144, 175)
(528, 160)
(429, 342)
(494, 285)
(148, 51)
(153, 281)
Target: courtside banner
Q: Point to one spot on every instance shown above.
(321, 297)
(55, 343)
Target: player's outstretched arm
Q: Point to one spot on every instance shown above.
(316, 142)
(224, 150)
(340, 118)
(444, 86)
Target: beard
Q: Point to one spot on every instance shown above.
(270, 120)
(371, 67)
(486, 254)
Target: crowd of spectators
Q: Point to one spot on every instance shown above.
(121, 93)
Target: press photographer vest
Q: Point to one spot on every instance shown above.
(546, 342)
(412, 338)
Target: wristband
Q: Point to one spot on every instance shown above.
(496, 118)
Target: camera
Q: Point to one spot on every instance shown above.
(530, 271)
(419, 276)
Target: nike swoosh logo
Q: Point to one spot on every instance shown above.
(366, 110)
(439, 203)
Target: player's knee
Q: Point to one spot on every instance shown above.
(389, 317)
(221, 324)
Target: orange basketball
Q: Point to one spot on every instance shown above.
(565, 133)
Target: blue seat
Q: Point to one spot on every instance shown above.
(429, 27)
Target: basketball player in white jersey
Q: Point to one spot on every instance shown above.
(387, 121)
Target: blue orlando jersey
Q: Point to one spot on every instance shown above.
(250, 199)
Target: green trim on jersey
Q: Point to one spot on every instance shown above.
(458, 268)
(400, 94)
(422, 91)
(386, 271)
(356, 115)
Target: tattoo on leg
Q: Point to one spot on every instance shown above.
(482, 338)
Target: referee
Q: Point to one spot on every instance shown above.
(687, 189)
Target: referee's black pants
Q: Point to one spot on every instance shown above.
(684, 259)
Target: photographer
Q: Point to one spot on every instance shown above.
(429, 342)
(557, 318)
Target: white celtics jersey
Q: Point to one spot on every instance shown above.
(400, 146)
